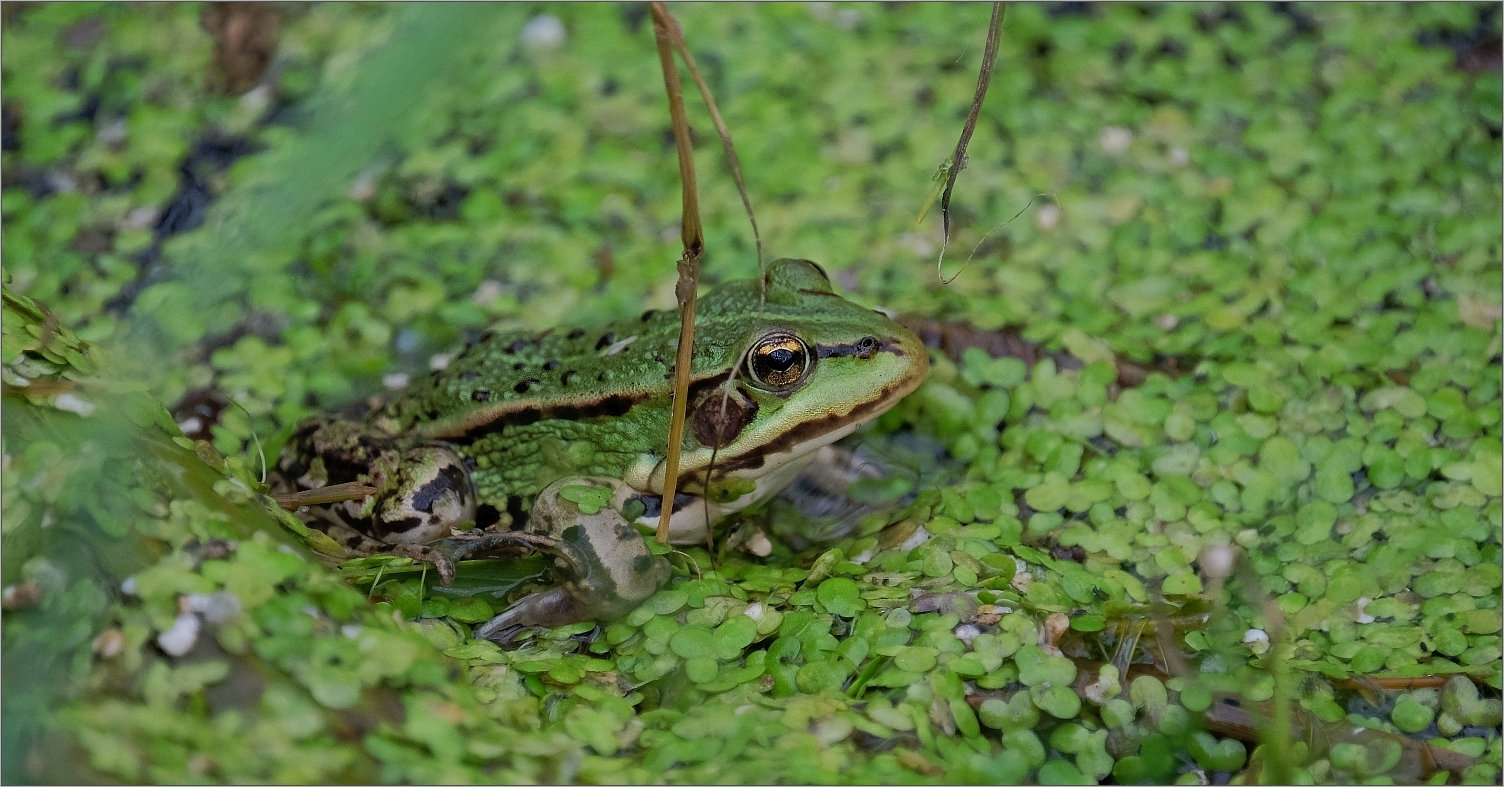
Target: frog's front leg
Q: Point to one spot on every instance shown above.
(604, 566)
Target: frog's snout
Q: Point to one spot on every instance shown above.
(433, 494)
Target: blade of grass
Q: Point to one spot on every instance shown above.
(693, 236)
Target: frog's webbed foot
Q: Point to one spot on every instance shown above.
(604, 566)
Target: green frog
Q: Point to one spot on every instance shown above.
(555, 441)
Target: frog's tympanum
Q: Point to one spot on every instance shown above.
(556, 440)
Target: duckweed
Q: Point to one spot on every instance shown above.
(1284, 217)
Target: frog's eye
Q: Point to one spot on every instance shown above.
(778, 361)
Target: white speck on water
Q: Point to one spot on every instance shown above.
(73, 404)
(394, 381)
(754, 611)
(1114, 140)
(111, 133)
(917, 243)
(216, 607)
(759, 545)
(181, 636)
(439, 361)
(1217, 560)
(351, 630)
(1257, 641)
(1364, 617)
(407, 341)
(140, 218)
(966, 633)
(919, 537)
(128, 586)
(543, 32)
(489, 290)
(190, 425)
(109, 644)
(1047, 217)
(1179, 156)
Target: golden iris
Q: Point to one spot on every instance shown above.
(778, 361)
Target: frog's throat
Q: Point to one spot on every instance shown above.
(688, 522)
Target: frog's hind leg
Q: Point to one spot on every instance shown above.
(604, 566)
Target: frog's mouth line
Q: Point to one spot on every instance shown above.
(809, 431)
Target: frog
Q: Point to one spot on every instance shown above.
(555, 442)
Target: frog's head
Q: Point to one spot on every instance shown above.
(809, 367)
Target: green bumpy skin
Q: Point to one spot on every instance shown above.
(778, 372)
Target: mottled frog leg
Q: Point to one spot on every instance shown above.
(603, 565)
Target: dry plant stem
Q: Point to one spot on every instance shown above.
(958, 158)
(334, 493)
(677, 39)
(693, 236)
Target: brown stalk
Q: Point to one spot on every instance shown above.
(958, 158)
(677, 38)
(693, 237)
(334, 493)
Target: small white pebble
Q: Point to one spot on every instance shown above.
(1179, 157)
(363, 188)
(181, 637)
(966, 633)
(140, 218)
(109, 643)
(489, 290)
(1053, 629)
(112, 133)
(190, 425)
(216, 607)
(919, 244)
(73, 404)
(759, 545)
(1364, 617)
(257, 98)
(351, 630)
(1217, 560)
(918, 537)
(394, 381)
(61, 182)
(847, 18)
(439, 361)
(1114, 140)
(1167, 321)
(1257, 641)
(755, 611)
(1047, 217)
(128, 586)
(1099, 691)
(543, 32)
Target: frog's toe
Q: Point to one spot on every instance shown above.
(426, 554)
